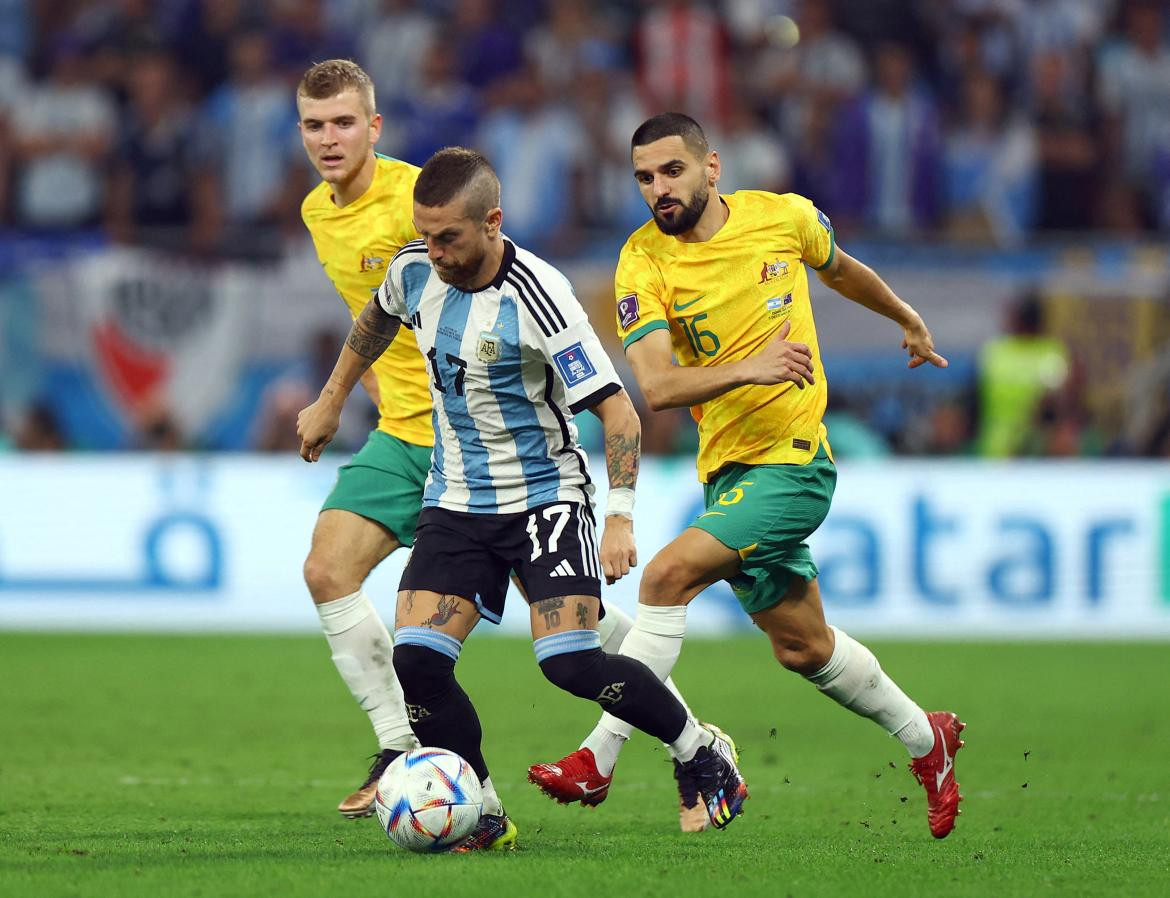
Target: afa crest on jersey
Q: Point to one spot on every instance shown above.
(487, 349)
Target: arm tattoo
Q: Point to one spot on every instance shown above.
(551, 610)
(622, 452)
(373, 330)
(448, 608)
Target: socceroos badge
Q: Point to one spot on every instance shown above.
(628, 310)
(487, 350)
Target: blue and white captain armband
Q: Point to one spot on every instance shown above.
(620, 501)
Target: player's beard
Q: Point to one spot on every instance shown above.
(688, 214)
(462, 274)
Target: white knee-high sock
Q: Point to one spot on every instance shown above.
(363, 653)
(854, 679)
(610, 734)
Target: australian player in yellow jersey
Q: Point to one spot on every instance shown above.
(719, 284)
(359, 216)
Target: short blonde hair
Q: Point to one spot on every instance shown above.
(331, 77)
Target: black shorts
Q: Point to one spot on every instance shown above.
(552, 548)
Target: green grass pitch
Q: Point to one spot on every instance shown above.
(149, 765)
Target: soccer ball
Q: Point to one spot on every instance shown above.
(429, 799)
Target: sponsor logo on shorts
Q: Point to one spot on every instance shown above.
(628, 310)
(574, 365)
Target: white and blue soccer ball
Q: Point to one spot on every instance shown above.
(429, 799)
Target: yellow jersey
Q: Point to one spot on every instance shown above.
(354, 245)
(722, 300)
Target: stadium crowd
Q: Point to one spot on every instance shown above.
(170, 123)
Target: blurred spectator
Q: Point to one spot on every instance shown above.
(486, 48)
(1066, 127)
(1016, 371)
(535, 147)
(300, 36)
(1135, 96)
(609, 112)
(442, 112)
(204, 39)
(251, 126)
(753, 157)
(63, 138)
(115, 30)
(393, 48)
(570, 43)
(159, 186)
(889, 152)
(822, 69)
(683, 60)
(16, 29)
(990, 167)
(39, 430)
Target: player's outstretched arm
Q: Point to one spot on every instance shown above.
(623, 453)
(857, 281)
(372, 331)
(667, 385)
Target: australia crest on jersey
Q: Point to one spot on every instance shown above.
(371, 261)
(772, 270)
(487, 349)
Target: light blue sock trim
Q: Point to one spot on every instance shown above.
(563, 643)
(430, 639)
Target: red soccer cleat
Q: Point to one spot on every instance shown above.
(936, 772)
(573, 778)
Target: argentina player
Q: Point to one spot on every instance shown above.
(512, 358)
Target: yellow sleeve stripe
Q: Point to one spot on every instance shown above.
(832, 252)
(635, 335)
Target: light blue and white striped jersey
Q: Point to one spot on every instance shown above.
(510, 363)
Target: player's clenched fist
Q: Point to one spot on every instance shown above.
(781, 360)
(618, 553)
(316, 426)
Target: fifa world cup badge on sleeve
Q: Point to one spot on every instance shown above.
(574, 365)
(628, 310)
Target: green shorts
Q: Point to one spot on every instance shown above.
(765, 513)
(384, 482)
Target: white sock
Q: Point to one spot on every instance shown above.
(363, 653)
(611, 732)
(491, 801)
(692, 739)
(854, 679)
(606, 744)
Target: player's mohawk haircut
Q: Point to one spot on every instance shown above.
(331, 77)
(672, 124)
(458, 171)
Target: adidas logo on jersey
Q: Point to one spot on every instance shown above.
(563, 569)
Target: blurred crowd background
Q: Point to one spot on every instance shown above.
(1005, 163)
